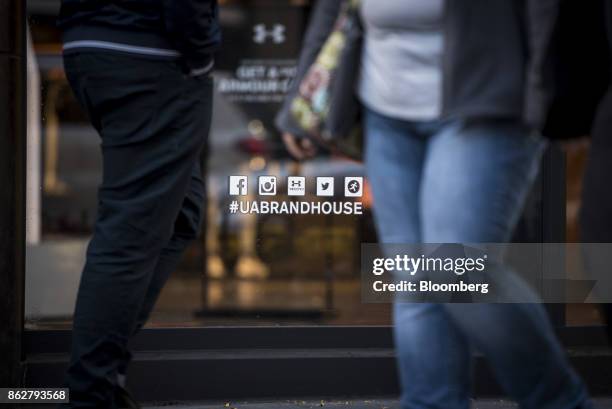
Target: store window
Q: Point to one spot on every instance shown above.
(246, 269)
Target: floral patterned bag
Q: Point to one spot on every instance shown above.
(325, 106)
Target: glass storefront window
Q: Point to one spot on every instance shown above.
(245, 269)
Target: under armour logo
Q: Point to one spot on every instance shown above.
(261, 34)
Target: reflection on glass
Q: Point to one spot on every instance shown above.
(246, 269)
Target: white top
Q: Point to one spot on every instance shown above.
(401, 67)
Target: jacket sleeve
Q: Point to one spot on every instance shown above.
(193, 26)
(320, 26)
(569, 68)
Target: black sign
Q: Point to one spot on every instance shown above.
(261, 44)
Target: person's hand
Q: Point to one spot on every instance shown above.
(299, 148)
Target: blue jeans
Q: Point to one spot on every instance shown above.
(460, 182)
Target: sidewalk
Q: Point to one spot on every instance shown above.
(346, 404)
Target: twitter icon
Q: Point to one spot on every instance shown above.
(325, 186)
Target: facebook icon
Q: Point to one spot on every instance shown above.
(238, 185)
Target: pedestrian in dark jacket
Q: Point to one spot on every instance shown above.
(140, 69)
(452, 94)
(186, 31)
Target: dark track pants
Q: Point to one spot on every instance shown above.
(153, 122)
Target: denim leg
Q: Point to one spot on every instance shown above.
(394, 155)
(432, 355)
(519, 343)
(475, 181)
(433, 358)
